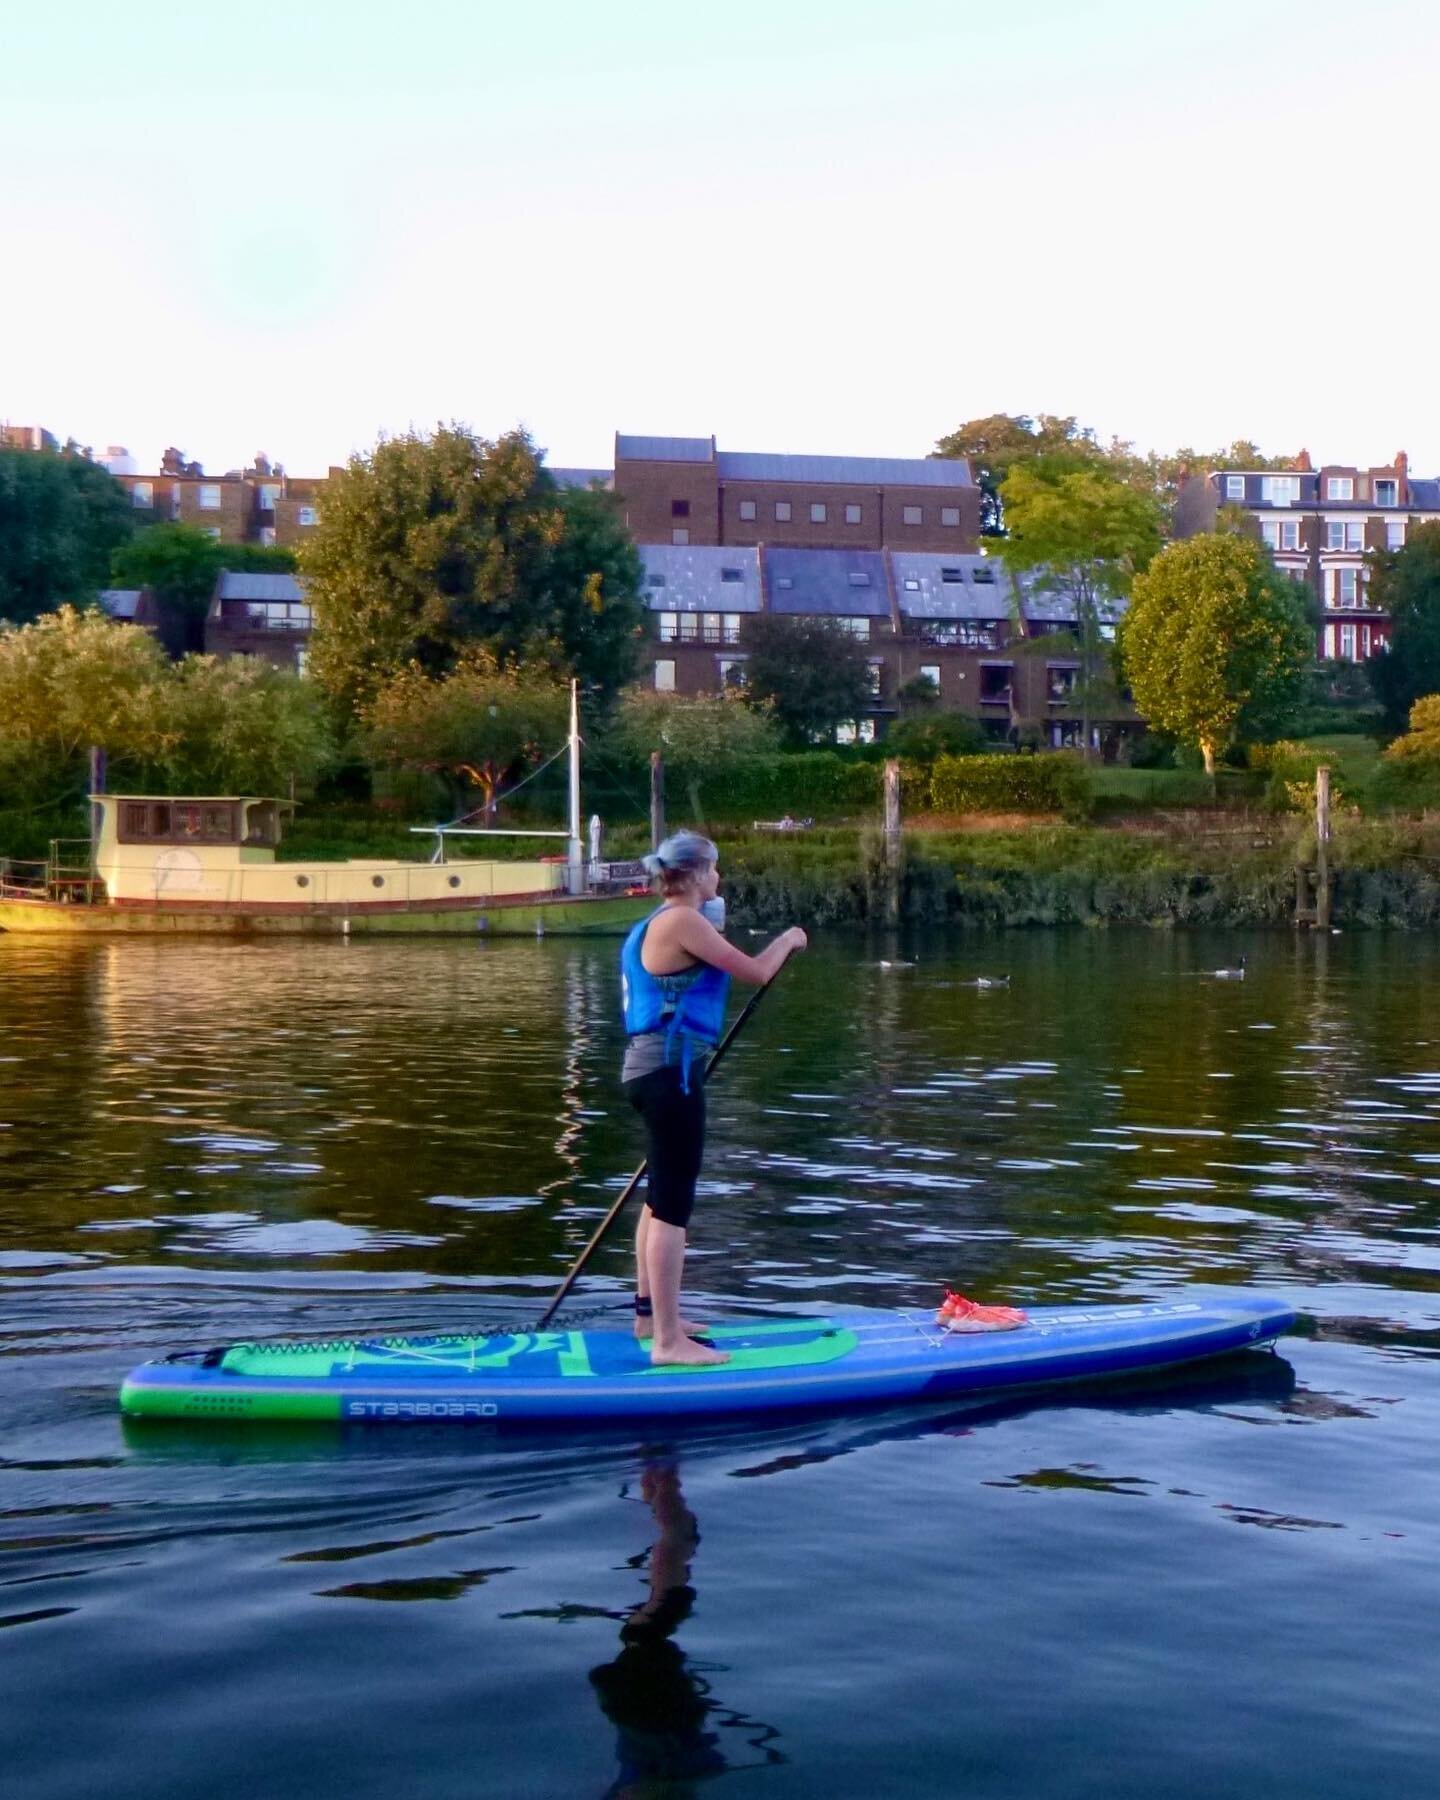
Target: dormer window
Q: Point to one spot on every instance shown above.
(1387, 493)
(1234, 487)
(950, 574)
(859, 578)
(1339, 487)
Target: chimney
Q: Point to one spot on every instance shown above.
(1303, 462)
(1402, 472)
(1182, 478)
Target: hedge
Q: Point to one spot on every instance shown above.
(1046, 783)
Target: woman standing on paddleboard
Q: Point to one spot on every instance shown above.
(675, 974)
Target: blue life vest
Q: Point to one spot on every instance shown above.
(693, 1013)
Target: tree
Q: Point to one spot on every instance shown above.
(61, 517)
(1422, 741)
(933, 734)
(700, 738)
(813, 673)
(1215, 643)
(180, 564)
(242, 726)
(1001, 442)
(1406, 584)
(72, 679)
(1084, 536)
(594, 579)
(476, 726)
(431, 546)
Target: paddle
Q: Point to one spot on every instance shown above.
(639, 1175)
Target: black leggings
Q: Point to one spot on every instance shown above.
(675, 1130)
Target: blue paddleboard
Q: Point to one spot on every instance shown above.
(846, 1358)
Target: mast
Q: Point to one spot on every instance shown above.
(575, 849)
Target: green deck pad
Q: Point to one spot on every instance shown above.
(795, 1343)
(203, 1403)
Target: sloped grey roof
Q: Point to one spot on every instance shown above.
(987, 596)
(243, 584)
(580, 478)
(1425, 493)
(120, 603)
(691, 578)
(820, 582)
(859, 471)
(664, 449)
(1043, 604)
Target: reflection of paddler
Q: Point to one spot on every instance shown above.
(659, 1706)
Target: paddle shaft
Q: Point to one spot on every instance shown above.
(639, 1175)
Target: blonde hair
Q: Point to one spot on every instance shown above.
(680, 861)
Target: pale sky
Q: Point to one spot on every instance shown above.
(830, 228)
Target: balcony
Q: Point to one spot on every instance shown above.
(712, 634)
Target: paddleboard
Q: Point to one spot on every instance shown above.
(843, 1359)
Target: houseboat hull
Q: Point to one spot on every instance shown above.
(520, 916)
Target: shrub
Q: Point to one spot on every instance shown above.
(1047, 783)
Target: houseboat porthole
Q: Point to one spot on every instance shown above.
(454, 881)
(377, 881)
(302, 881)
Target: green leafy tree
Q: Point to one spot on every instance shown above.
(72, 679)
(181, 564)
(1406, 584)
(811, 672)
(702, 739)
(594, 577)
(1082, 535)
(61, 518)
(242, 726)
(1215, 644)
(1000, 443)
(476, 727)
(925, 736)
(1422, 741)
(431, 546)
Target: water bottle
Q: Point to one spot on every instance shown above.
(714, 911)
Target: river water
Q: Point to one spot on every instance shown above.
(1216, 1587)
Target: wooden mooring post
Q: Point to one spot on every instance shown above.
(891, 842)
(1322, 848)
(657, 800)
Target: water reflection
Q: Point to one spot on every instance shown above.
(670, 1729)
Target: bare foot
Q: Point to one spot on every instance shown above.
(645, 1327)
(687, 1354)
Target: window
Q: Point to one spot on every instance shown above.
(669, 626)
(818, 514)
(1387, 493)
(874, 671)
(853, 515)
(1297, 574)
(1270, 531)
(747, 509)
(784, 581)
(995, 681)
(1365, 641)
(854, 731)
(308, 515)
(208, 499)
(269, 494)
(931, 672)
(680, 534)
(655, 578)
(664, 677)
(1280, 490)
(950, 515)
(1395, 536)
(1289, 534)
(1234, 487)
(679, 509)
(730, 627)
(986, 577)
(952, 574)
(1339, 487)
(689, 627)
(858, 628)
(782, 512)
(1344, 534)
(142, 494)
(732, 574)
(267, 534)
(912, 585)
(1347, 642)
(859, 578)
(912, 515)
(732, 672)
(1348, 587)
(213, 531)
(1059, 682)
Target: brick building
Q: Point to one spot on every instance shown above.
(683, 491)
(951, 619)
(27, 437)
(1319, 525)
(258, 505)
(259, 615)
